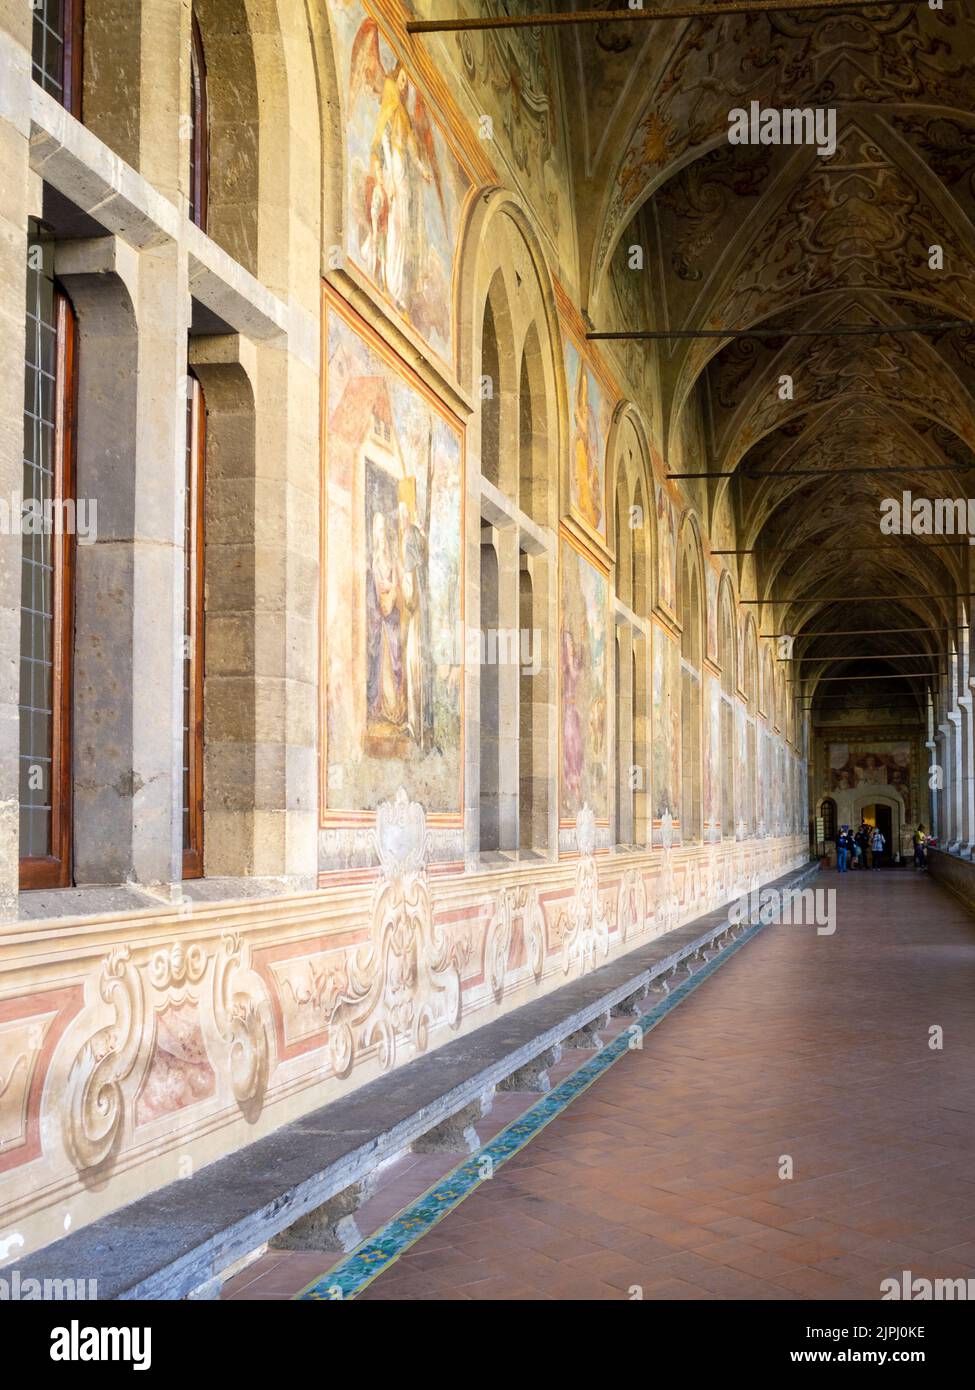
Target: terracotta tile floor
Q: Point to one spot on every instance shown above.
(664, 1176)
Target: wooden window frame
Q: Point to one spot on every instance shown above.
(72, 55)
(200, 131)
(54, 870)
(74, 29)
(194, 607)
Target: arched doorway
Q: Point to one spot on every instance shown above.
(885, 811)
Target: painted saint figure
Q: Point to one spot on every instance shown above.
(413, 588)
(402, 145)
(572, 751)
(385, 684)
(585, 453)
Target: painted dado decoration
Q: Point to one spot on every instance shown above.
(167, 1039)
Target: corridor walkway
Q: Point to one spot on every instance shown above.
(662, 1180)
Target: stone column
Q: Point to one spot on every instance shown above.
(509, 624)
(967, 789)
(954, 760)
(133, 318)
(624, 734)
(943, 759)
(932, 747)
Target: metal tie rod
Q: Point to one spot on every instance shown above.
(628, 16)
(889, 676)
(833, 549)
(846, 598)
(823, 472)
(835, 330)
(870, 656)
(850, 632)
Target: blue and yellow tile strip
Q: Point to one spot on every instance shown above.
(370, 1259)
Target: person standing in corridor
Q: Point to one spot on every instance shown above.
(844, 844)
(862, 841)
(877, 843)
(920, 849)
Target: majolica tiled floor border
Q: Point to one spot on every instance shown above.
(375, 1255)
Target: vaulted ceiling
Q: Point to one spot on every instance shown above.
(781, 237)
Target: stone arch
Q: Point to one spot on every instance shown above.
(508, 332)
(883, 796)
(631, 529)
(690, 604)
(690, 590)
(630, 483)
(727, 651)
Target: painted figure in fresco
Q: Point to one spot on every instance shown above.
(585, 453)
(871, 773)
(668, 549)
(386, 692)
(402, 145)
(415, 611)
(573, 659)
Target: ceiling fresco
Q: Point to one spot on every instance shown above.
(781, 237)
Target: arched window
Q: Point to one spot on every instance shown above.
(515, 371)
(56, 50)
(199, 131)
(193, 631)
(630, 523)
(828, 812)
(46, 584)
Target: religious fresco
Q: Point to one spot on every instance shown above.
(741, 753)
(583, 684)
(667, 549)
(393, 563)
(405, 187)
(712, 754)
(860, 767)
(665, 716)
(588, 430)
(512, 78)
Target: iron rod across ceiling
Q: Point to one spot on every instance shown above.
(835, 330)
(851, 632)
(830, 549)
(847, 598)
(870, 656)
(639, 16)
(887, 676)
(823, 472)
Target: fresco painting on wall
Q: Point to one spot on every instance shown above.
(712, 774)
(853, 767)
(404, 185)
(583, 685)
(741, 744)
(588, 429)
(666, 726)
(667, 543)
(514, 77)
(393, 525)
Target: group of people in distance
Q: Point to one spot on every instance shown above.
(863, 848)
